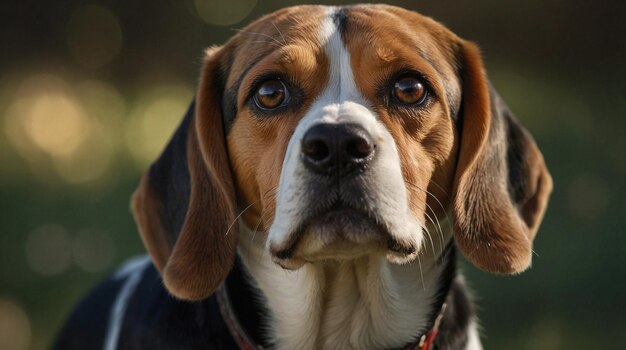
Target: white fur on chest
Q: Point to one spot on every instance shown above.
(352, 304)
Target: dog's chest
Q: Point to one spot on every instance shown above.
(364, 303)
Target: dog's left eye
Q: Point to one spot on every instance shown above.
(409, 89)
(271, 94)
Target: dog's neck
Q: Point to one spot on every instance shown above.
(362, 303)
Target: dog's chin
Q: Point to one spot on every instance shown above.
(343, 234)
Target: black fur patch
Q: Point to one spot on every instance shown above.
(169, 178)
(518, 171)
(248, 304)
(454, 329)
(454, 324)
(340, 18)
(156, 320)
(87, 326)
(229, 107)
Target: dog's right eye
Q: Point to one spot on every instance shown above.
(408, 89)
(271, 94)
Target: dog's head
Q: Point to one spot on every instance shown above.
(337, 132)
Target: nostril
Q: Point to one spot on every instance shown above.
(317, 150)
(359, 147)
(336, 149)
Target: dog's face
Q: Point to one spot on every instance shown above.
(336, 133)
(341, 124)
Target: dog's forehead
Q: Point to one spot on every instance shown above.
(391, 34)
(281, 31)
(380, 32)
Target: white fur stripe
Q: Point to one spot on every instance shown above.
(131, 271)
(473, 339)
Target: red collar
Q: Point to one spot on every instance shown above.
(427, 340)
(244, 342)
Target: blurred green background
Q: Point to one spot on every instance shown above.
(91, 91)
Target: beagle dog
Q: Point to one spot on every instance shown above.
(317, 191)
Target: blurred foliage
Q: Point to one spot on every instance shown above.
(89, 94)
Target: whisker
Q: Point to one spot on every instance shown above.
(432, 195)
(256, 228)
(435, 223)
(279, 32)
(256, 33)
(432, 243)
(419, 262)
(266, 42)
(438, 227)
(261, 219)
(445, 212)
(440, 187)
(238, 216)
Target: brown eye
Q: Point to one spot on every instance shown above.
(409, 89)
(271, 94)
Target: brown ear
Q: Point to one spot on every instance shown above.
(185, 203)
(502, 184)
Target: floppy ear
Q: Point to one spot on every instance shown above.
(502, 184)
(185, 203)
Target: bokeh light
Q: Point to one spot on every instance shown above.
(154, 119)
(103, 101)
(70, 130)
(56, 124)
(94, 36)
(45, 117)
(49, 250)
(93, 250)
(15, 333)
(92, 162)
(224, 12)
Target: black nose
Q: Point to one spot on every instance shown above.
(337, 149)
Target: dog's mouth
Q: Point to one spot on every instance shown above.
(340, 231)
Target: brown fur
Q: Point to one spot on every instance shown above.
(494, 230)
